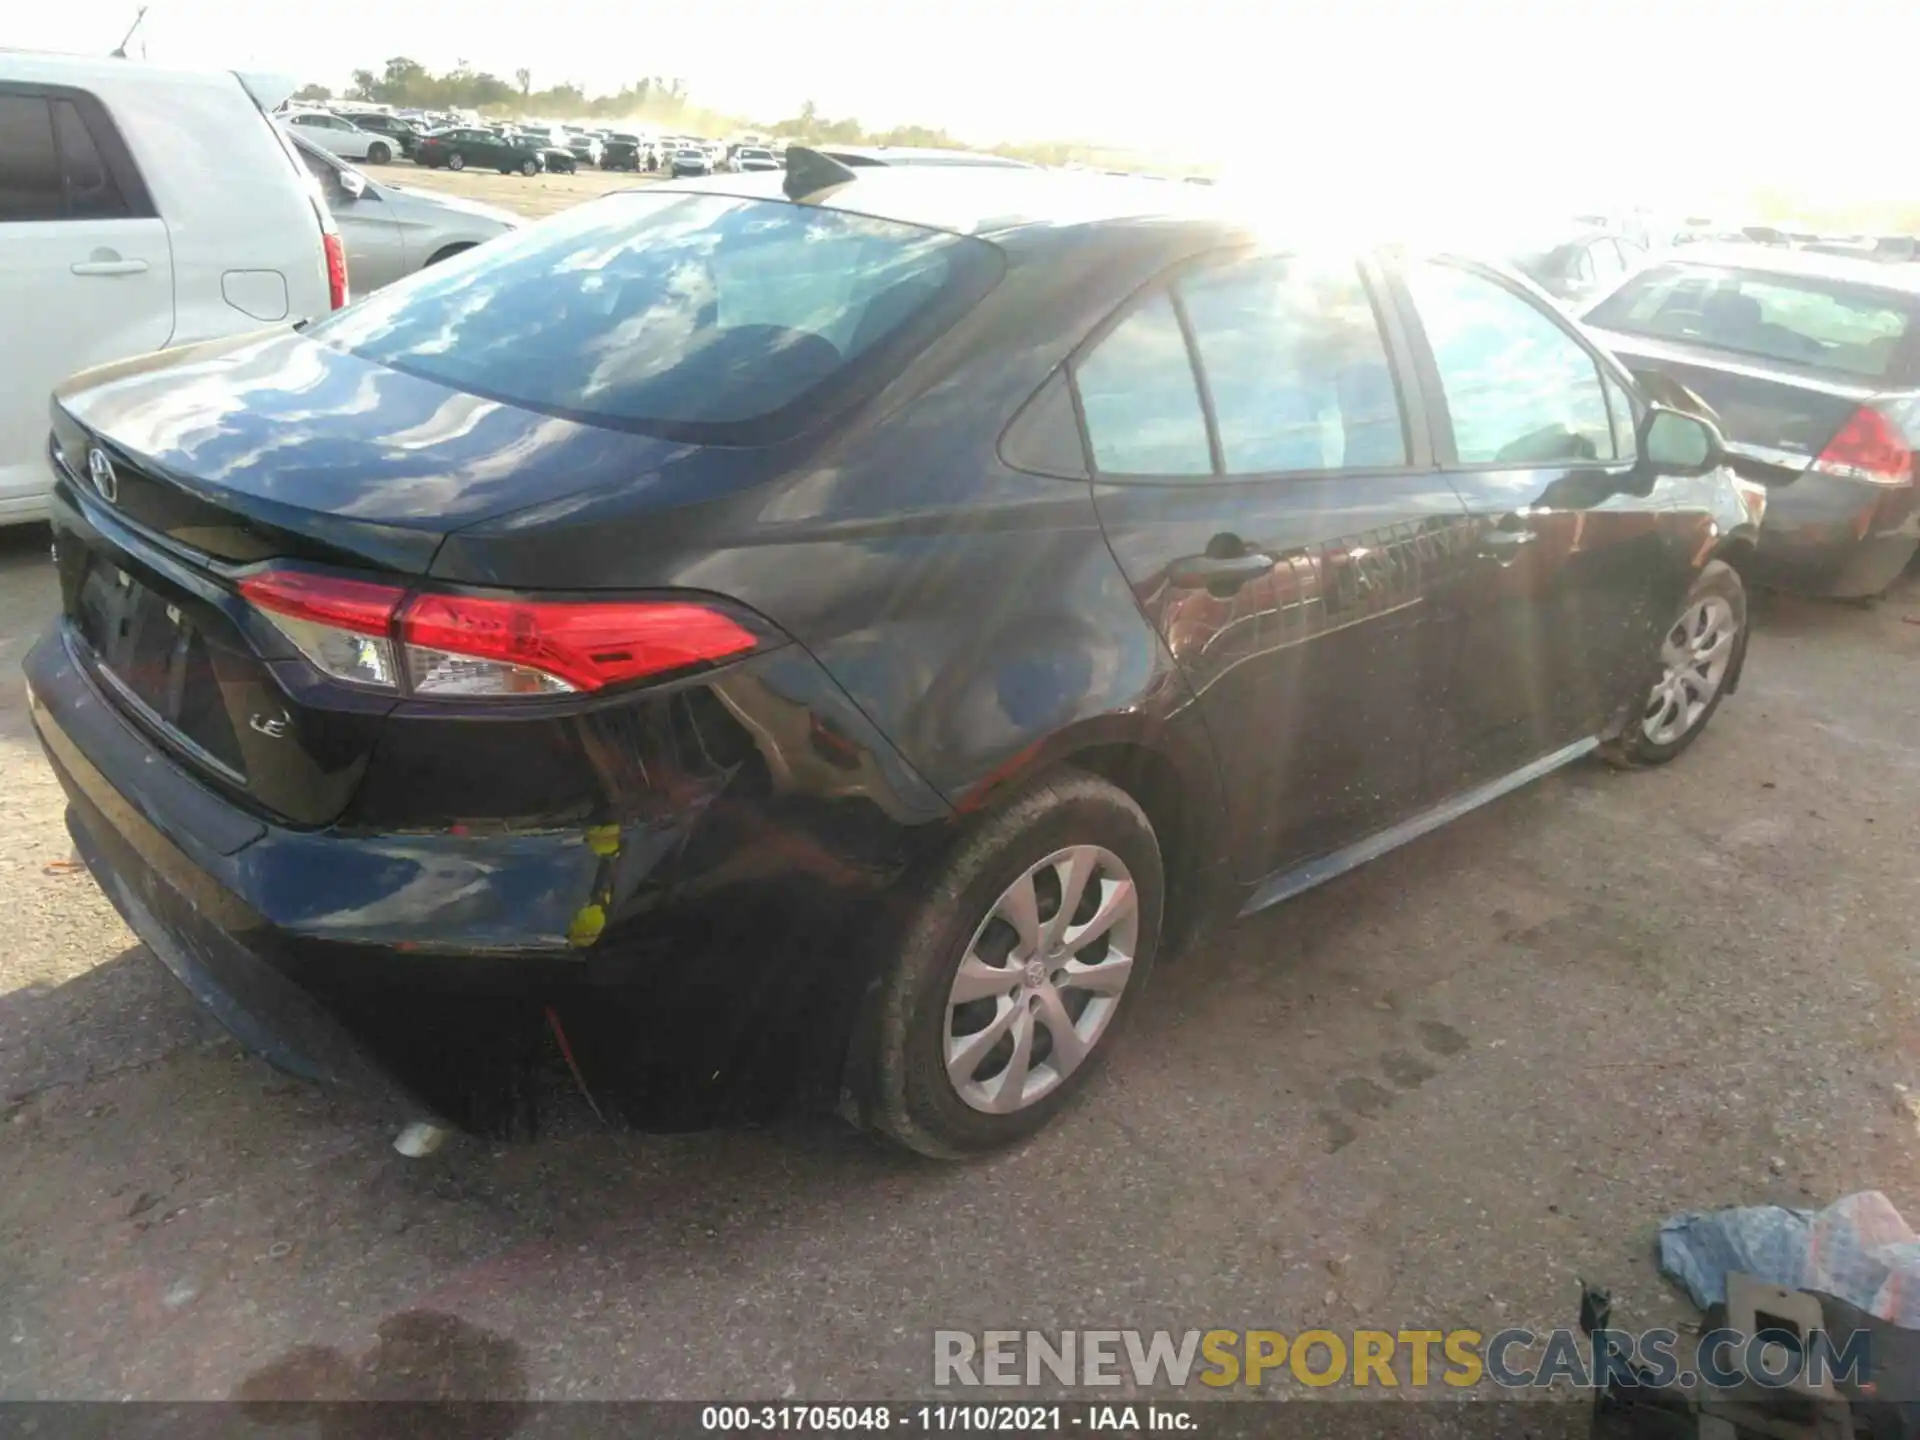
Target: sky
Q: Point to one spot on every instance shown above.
(1471, 104)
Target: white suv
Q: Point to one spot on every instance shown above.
(140, 207)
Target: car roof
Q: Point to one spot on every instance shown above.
(988, 199)
(57, 66)
(1901, 276)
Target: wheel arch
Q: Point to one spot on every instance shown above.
(1176, 783)
(447, 252)
(1739, 553)
(1178, 819)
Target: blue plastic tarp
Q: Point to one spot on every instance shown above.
(1858, 1250)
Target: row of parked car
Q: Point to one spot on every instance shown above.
(378, 137)
(862, 642)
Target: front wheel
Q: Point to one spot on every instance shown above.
(1697, 656)
(1027, 947)
(379, 153)
(456, 161)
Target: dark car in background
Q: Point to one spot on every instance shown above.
(858, 623)
(622, 151)
(555, 159)
(404, 135)
(1811, 364)
(1577, 265)
(466, 145)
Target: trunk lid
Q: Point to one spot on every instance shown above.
(1775, 420)
(226, 455)
(279, 446)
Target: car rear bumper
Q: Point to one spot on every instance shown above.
(1831, 536)
(703, 939)
(167, 885)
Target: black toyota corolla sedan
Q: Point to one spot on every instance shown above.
(870, 619)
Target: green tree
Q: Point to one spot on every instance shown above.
(313, 92)
(915, 135)
(523, 77)
(403, 82)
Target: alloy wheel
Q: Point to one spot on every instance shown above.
(1041, 979)
(1696, 653)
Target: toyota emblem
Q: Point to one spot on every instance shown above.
(100, 471)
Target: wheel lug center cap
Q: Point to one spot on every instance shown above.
(1036, 975)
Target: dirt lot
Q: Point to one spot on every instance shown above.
(1434, 1091)
(534, 196)
(1431, 1093)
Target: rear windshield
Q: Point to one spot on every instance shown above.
(704, 317)
(1820, 325)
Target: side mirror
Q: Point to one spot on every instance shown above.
(1675, 443)
(354, 183)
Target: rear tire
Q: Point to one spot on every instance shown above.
(1700, 652)
(996, 1009)
(529, 167)
(456, 161)
(379, 153)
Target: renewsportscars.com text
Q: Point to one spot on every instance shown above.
(1391, 1359)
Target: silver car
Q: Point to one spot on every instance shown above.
(390, 231)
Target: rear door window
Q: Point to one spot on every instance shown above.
(1519, 389)
(51, 167)
(30, 187)
(1140, 399)
(700, 316)
(1295, 366)
(92, 193)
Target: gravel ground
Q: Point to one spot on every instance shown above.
(1431, 1093)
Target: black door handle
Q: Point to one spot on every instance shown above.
(1222, 574)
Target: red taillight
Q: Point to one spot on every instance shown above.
(467, 645)
(1869, 447)
(336, 270)
(586, 646)
(357, 605)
